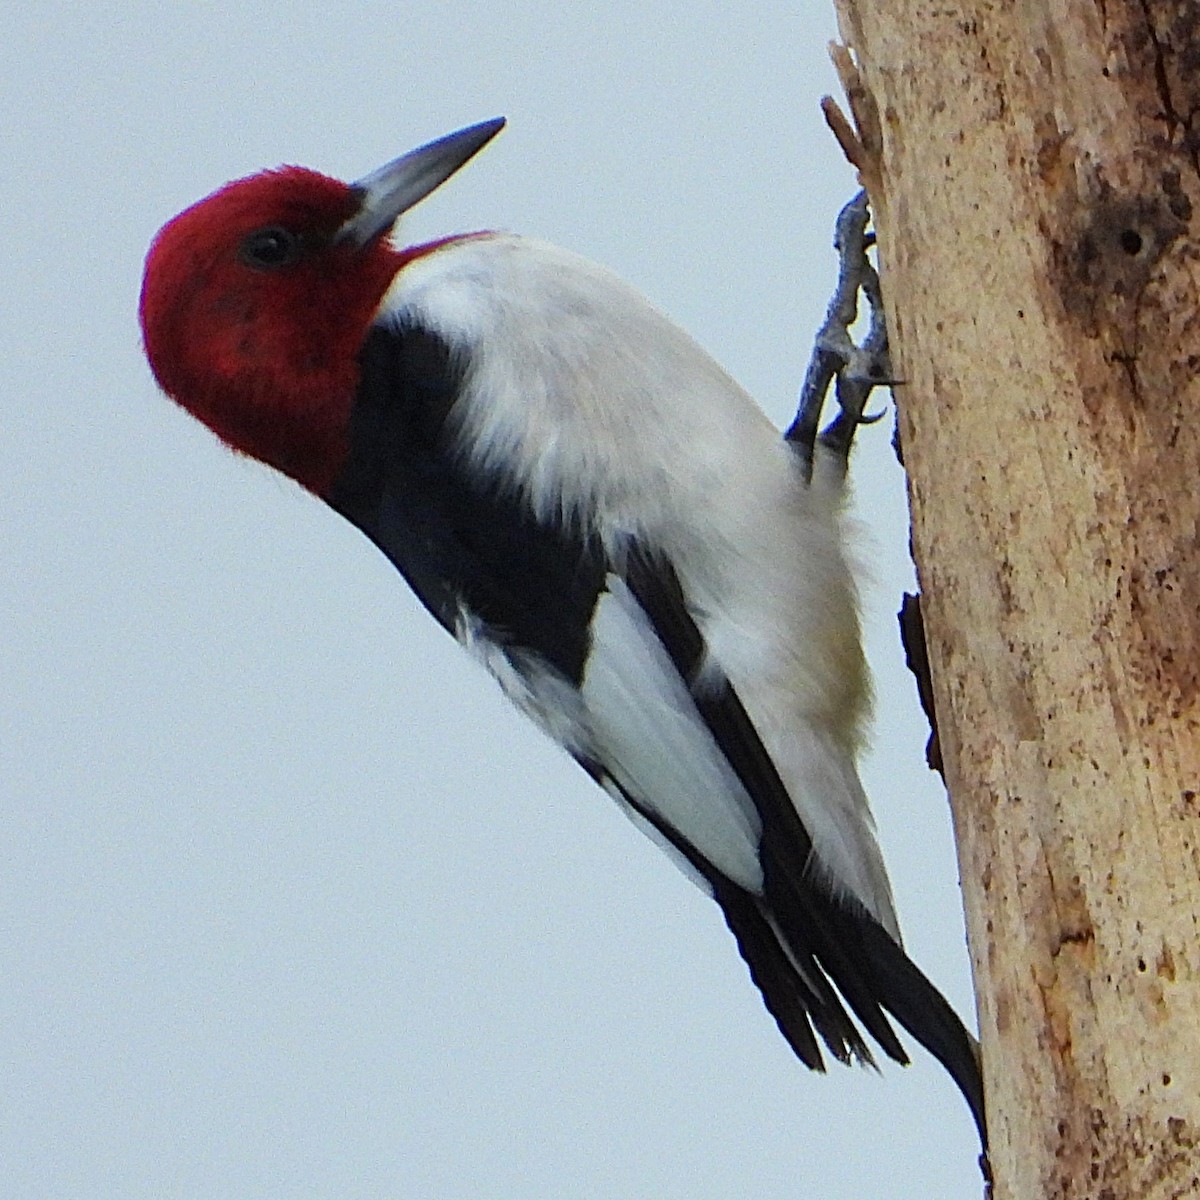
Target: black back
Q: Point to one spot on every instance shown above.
(460, 540)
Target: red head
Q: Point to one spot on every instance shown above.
(256, 301)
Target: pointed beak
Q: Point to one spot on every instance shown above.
(395, 188)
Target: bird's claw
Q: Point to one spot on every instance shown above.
(858, 368)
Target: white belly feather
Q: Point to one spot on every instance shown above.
(635, 431)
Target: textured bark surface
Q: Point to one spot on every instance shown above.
(1035, 178)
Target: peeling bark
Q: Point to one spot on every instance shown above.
(916, 658)
(1034, 175)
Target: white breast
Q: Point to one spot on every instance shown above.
(589, 403)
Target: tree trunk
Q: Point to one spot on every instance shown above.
(1033, 174)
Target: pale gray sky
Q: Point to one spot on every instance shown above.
(291, 904)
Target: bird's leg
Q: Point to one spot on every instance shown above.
(866, 367)
(857, 369)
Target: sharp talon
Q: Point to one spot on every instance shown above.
(857, 368)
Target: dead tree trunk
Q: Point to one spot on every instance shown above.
(1034, 170)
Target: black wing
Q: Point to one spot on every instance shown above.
(797, 937)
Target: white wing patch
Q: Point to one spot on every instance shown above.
(649, 735)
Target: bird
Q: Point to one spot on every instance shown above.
(600, 516)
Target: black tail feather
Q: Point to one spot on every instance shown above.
(905, 992)
(822, 926)
(782, 990)
(830, 942)
(799, 941)
(795, 990)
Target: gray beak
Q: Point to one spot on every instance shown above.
(396, 187)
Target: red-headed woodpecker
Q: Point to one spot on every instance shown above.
(602, 517)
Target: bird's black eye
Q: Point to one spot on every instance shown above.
(270, 249)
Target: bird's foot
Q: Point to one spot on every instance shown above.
(858, 368)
